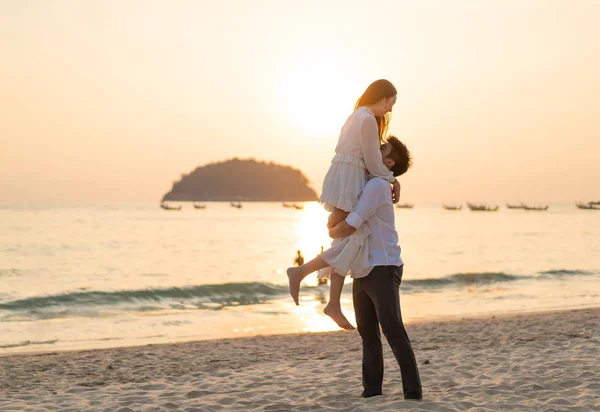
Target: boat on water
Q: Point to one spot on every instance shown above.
(588, 206)
(166, 206)
(596, 203)
(516, 205)
(482, 207)
(197, 206)
(405, 205)
(452, 207)
(537, 208)
(236, 204)
(293, 206)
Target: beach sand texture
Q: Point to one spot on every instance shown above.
(548, 361)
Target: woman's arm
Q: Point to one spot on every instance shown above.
(371, 150)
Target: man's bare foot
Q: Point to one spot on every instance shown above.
(338, 317)
(294, 279)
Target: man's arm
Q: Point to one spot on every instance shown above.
(371, 198)
(342, 229)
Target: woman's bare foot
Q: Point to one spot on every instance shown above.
(338, 317)
(295, 276)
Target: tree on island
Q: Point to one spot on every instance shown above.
(242, 179)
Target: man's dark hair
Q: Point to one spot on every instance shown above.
(400, 155)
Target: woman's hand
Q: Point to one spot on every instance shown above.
(396, 191)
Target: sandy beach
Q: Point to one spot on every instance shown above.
(548, 361)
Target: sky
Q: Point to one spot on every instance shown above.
(113, 100)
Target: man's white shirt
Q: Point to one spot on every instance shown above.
(375, 208)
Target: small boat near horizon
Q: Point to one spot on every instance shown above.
(474, 207)
(516, 205)
(588, 206)
(539, 208)
(452, 207)
(166, 206)
(197, 206)
(296, 206)
(237, 205)
(405, 205)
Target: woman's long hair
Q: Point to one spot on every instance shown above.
(379, 89)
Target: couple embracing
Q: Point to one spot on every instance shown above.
(360, 190)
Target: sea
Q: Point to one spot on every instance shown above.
(99, 275)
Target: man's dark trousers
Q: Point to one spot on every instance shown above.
(377, 301)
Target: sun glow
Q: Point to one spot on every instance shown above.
(311, 230)
(317, 94)
(312, 318)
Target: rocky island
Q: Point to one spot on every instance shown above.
(242, 179)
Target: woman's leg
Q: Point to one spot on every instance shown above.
(334, 308)
(295, 275)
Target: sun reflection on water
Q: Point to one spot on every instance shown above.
(310, 313)
(311, 233)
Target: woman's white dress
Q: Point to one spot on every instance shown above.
(357, 157)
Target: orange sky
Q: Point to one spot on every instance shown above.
(112, 100)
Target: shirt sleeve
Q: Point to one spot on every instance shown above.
(371, 150)
(370, 200)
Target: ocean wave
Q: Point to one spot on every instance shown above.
(567, 272)
(226, 294)
(84, 303)
(459, 279)
(28, 343)
(486, 278)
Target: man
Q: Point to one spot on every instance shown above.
(376, 296)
